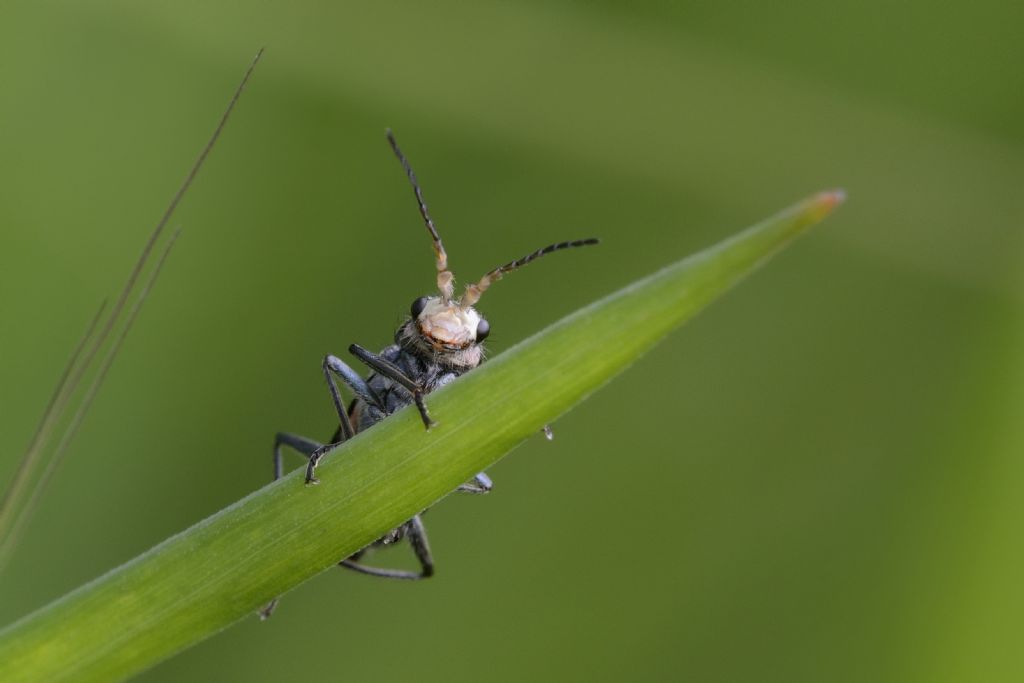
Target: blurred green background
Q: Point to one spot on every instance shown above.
(818, 479)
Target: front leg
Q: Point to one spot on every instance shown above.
(386, 368)
(332, 366)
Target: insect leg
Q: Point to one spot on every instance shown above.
(299, 443)
(314, 461)
(333, 364)
(417, 535)
(387, 369)
(481, 484)
(305, 446)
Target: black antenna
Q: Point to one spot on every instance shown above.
(473, 292)
(444, 276)
(12, 518)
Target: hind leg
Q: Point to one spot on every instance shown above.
(417, 535)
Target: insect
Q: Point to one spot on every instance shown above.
(441, 339)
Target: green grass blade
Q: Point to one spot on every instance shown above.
(224, 568)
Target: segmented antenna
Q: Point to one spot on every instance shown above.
(445, 278)
(13, 510)
(473, 292)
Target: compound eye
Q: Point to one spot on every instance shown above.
(418, 306)
(483, 328)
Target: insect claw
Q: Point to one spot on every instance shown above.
(428, 422)
(267, 610)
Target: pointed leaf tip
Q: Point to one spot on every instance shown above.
(823, 203)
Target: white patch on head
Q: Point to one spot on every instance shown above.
(447, 323)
